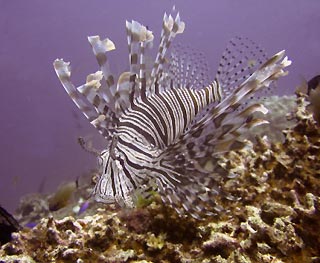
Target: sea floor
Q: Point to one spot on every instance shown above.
(275, 217)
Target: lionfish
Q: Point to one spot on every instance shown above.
(162, 121)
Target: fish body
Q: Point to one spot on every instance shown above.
(311, 89)
(160, 123)
(314, 96)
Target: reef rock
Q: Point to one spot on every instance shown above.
(274, 215)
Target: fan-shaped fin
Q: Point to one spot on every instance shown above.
(139, 39)
(87, 98)
(188, 68)
(100, 48)
(261, 78)
(239, 60)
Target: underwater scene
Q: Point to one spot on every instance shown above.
(160, 131)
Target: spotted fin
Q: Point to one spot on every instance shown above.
(240, 59)
(261, 78)
(188, 68)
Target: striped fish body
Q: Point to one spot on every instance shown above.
(162, 118)
(145, 130)
(160, 123)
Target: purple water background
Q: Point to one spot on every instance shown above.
(39, 122)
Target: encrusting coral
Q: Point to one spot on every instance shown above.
(273, 217)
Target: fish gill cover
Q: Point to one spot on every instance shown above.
(163, 123)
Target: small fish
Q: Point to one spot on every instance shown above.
(62, 197)
(313, 84)
(83, 207)
(314, 96)
(31, 224)
(162, 123)
(312, 90)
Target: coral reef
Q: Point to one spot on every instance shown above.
(278, 108)
(70, 198)
(273, 217)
